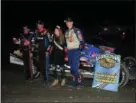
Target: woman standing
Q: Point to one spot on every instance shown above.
(60, 58)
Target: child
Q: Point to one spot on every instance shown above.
(59, 58)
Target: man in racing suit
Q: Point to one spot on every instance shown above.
(25, 39)
(74, 42)
(43, 39)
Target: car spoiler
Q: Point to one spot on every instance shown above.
(16, 60)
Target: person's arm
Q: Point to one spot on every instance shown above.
(50, 50)
(65, 51)
(22, 39)
(16, 41)
(32, 35)
(81, 39)
(65, 44)
(36, 36)
(50, 41)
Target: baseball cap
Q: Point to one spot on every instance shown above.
(40, 22)
(68, 20)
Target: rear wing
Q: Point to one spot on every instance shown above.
(16, 60)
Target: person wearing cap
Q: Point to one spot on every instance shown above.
(59, 59)
(75, 42)
(25, 43)
(43, 39)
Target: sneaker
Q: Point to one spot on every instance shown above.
(78, 87)
(37, 74)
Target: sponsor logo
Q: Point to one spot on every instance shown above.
(108, 60)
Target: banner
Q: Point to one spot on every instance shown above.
(107, 72)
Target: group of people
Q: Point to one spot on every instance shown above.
(61, 47)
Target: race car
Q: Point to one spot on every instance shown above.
(87, 62)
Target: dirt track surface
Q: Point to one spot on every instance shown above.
(15, 89)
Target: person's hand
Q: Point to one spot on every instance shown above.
(80, 46)
(66, 58)
(50, 51)
(14, 40)
(26, 43)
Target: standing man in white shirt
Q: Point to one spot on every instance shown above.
(75, 42)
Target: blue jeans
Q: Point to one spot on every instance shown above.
(47, 62)
(73, 60)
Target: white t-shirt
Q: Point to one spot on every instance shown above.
(72, 40)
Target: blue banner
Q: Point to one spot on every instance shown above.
(107, 72)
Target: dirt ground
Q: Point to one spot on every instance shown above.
(15, 89)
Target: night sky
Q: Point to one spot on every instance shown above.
(87, 15)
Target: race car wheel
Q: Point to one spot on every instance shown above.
(130, 62)
(124, 75)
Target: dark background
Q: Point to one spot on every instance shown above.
(86, 14)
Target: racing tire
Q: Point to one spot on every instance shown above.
(129, 61)
(124, 75)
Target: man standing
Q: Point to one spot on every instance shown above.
(25, 43)
(74, 42)
(43, 39)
